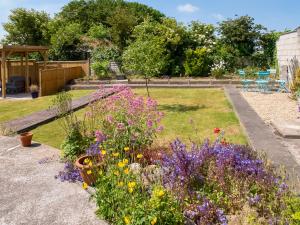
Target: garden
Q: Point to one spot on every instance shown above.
(113, 150)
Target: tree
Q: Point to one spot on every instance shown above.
(202, 35)
(147, 57)
(122, 24)
(27, 27)
(170, 35)
(267, 44)
(65, 40)
(241, 33)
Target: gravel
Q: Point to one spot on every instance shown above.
(274, 106)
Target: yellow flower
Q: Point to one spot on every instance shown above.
(126, 149)
(90, 163)
(130, 190)
(125, 161)
(100, 172)
(131, 184)
(160, 193)
(154, 221)
(103, 152)
(126, 171)
(121, 184)
(116, 173)
(127, 220)
(89, 172)
(84, 185)
(86, 161)
(115, 154)
(121, 164)
(139, 156)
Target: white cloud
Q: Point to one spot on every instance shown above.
(218, 16)
(187, 8)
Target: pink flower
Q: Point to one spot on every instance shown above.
(149, 123)
(120, 126)
(100, 136)
(109, 118)
(160, 128)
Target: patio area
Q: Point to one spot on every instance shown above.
(30, 194)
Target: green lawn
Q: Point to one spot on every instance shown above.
(208, 108)
(12, 109)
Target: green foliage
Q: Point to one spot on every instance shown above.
(241, 33)
(76, 139)
(101, 69)
(197, 62)
(122, 199)
(65, 38)
(122, 23)
(202, 35)
(75, 143)
(147, 57)
(98, 31)
(27, 27)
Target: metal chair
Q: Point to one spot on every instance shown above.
(245, 82)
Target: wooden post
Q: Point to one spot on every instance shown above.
(26, 72)
(40, 83)
(22, 64)
(3, 76)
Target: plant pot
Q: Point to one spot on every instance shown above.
(89, 179)
(26, 139)
(35, 94)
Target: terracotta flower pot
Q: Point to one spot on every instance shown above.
(26, 139)
(88, 173)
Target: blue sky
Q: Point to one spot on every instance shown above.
(274, 14)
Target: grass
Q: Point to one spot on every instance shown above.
(12, 109)
(208, 108)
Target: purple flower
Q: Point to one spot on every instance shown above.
(70, 173)
(100, 136)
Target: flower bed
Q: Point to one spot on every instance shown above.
(214, 182)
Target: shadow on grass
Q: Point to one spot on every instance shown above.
(181, 108)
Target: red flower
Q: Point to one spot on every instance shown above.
(217, 130)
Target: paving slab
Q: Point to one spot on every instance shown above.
(260, 136)
(30, 194)
(287, 129)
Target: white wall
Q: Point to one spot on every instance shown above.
(288, 47)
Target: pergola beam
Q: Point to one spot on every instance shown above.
(23, 50)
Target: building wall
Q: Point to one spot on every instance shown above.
(288, 51)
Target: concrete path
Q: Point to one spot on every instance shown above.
(261, 137)
(30, 194)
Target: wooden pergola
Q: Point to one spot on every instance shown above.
(22, 50)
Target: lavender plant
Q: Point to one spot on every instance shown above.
(227, 176)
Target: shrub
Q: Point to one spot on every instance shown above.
(101, 69)
(77, 138)
(126, 120)
(122, 198)
(218, 69)
(197, 62)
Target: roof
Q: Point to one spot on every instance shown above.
(22, 48)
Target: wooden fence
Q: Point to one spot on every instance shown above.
(52, 81)
(17, 68)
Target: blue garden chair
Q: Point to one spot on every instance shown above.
(245, 82)
(263, 81)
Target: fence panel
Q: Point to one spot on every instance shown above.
(55, 80)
